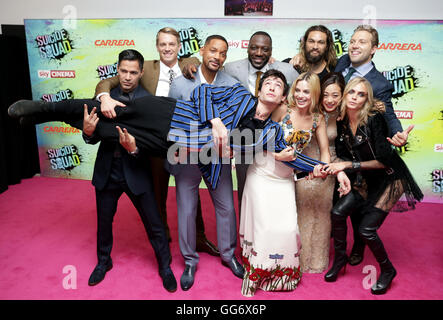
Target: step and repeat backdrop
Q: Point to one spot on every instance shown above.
(66, 61)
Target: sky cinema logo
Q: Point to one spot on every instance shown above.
(56, 74)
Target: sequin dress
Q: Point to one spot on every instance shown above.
(314, 204)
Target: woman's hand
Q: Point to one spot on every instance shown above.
(345, 183)
(318, 172)
(336, 167)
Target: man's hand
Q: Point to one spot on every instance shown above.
(220, 135)
(189, 70)
(108, 104)
(285, 155)
(126, 140)
(400, 138)
(345, 183)
(296, 61)
(90, 121)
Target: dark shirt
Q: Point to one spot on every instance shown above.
(250, 122)
(321, 75)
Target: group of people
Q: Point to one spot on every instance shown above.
(333, 120)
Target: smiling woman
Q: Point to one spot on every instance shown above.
(379, 178)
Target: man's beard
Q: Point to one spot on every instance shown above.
(314, 59)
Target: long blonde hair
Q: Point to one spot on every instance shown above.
(370, 107)
(314, 86)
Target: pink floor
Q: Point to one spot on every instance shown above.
(47, 251)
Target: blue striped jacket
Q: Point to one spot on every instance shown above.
(190, 127)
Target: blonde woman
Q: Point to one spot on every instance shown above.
(379, 178)
(309, 136)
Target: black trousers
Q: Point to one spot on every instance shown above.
(146, 206)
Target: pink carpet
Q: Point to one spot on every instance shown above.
(47, 224)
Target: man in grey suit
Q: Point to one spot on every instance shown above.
(188, 176)
(248, 72)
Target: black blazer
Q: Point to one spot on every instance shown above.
(382, 91)
(136, 169)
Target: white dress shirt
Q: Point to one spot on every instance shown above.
(360, 71)
(163, 79)
(252, 75)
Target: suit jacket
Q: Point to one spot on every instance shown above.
(382, 91)
(239, 70)
(231, 105)
(136, 169)
(149, 80)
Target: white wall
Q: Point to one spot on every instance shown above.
(14, 11)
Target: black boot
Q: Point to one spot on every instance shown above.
(25, 108)
(358, 248)
(339, 230)
(387, 274)
(372, 220)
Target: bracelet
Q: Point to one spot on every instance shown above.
(356, 166)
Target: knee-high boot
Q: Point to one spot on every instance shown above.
(339, 230)
(372, 220)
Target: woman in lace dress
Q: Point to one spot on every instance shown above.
(313, 197)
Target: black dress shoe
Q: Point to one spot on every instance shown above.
(169, 282)
(187, 278)
(99, 273)
(235, 266)
(23, 108)
(204, 245)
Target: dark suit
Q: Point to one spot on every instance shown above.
(382, 91)
(149, 82)
(115, 172)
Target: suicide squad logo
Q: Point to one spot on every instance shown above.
(190, 41)
(55, 45)
(341, 47)
(403, 79)
(65, 158)
(107, 71)
(59, 96)
(437, 179)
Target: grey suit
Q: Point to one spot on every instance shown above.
(240, 70)
(187, 179)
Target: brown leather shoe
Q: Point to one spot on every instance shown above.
(204, 245)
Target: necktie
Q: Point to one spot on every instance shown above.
(125, 97)
(171, 76)
(350, 73)
(257, 81)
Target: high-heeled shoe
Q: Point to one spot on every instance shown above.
(337, 266)
(384, 281)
